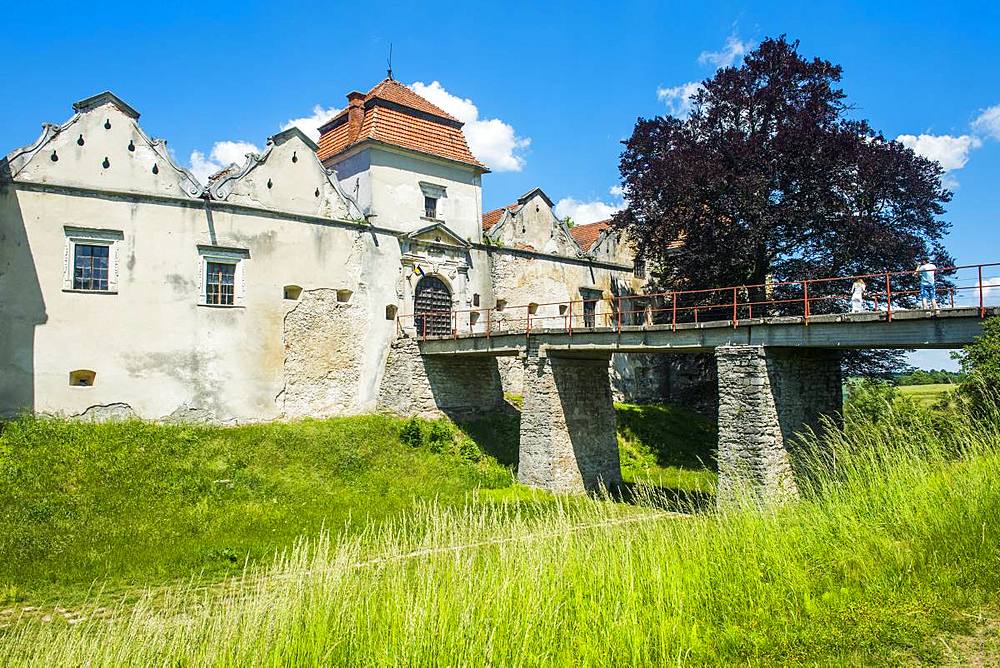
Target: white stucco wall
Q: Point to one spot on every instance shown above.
(399, 201)
(152, 342)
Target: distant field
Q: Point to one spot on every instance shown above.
(926, 395)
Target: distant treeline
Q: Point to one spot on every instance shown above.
(932, 377)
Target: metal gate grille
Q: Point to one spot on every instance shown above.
(432, 307)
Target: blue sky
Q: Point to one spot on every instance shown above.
(548, 91)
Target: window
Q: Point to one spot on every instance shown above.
(90, 261)
(639, 269)
(589, 312)
(90, 266)
(432, 193)
(222, 276)
(220, 283)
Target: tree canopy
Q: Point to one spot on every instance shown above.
(769, 179)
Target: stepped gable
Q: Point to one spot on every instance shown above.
(391, 113)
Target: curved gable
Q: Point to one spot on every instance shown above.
(534, 225)
(102, 147)
(286, 177)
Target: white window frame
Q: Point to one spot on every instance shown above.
(91, 237)
(233, 256)
(436, 192)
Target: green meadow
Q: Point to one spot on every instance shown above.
(378, 541)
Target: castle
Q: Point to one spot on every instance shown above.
(280, 287)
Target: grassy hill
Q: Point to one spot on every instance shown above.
(134, 503)
(889, 551)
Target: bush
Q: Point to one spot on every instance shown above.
(442, 437)
(980, 361)
(870, 399)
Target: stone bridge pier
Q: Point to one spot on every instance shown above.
(766, 396)
(430, 386)
(568, 440)
(568, 437)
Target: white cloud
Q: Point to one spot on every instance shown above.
(950, 152)
(223, 154)
(490, 140)
(583, 213)
(678, 98)
(734, 50)
(991, 291)
(988, 122)
(310, 124)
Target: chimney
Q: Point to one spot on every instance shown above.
(355, 114)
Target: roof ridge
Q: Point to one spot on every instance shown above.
(406, 91)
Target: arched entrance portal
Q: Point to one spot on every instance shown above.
(432, 307)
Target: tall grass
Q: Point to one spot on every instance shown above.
(895, 534)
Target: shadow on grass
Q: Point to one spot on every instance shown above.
(671, 499)
(497, 434)
(658, 443)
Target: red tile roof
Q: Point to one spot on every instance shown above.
(586, 235)
(491, 218)
(394, 114)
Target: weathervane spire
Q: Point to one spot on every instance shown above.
(390, 62)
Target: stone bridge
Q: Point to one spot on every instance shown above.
(777, 377)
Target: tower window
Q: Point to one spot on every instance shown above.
(430, 207)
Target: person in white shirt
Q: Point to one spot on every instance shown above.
(928, 274)
(858, 296)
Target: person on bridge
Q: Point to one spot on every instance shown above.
(858, 296)
(928, 290)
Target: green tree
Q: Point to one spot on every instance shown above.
(771, 179)
(980, 361)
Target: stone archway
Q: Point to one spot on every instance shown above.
(432, 307)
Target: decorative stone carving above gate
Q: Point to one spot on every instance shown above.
(435, 250)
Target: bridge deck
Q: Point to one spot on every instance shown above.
(948, 328)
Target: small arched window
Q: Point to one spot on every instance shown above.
(293, 292)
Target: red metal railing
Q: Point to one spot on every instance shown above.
(732, 305)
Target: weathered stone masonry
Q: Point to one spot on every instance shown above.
(430, 387)
(568, 441)
(766, 396)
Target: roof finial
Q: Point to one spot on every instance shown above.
(390, 61)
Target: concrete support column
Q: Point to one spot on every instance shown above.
(568, 440)
(766, 397)
(431, 386)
